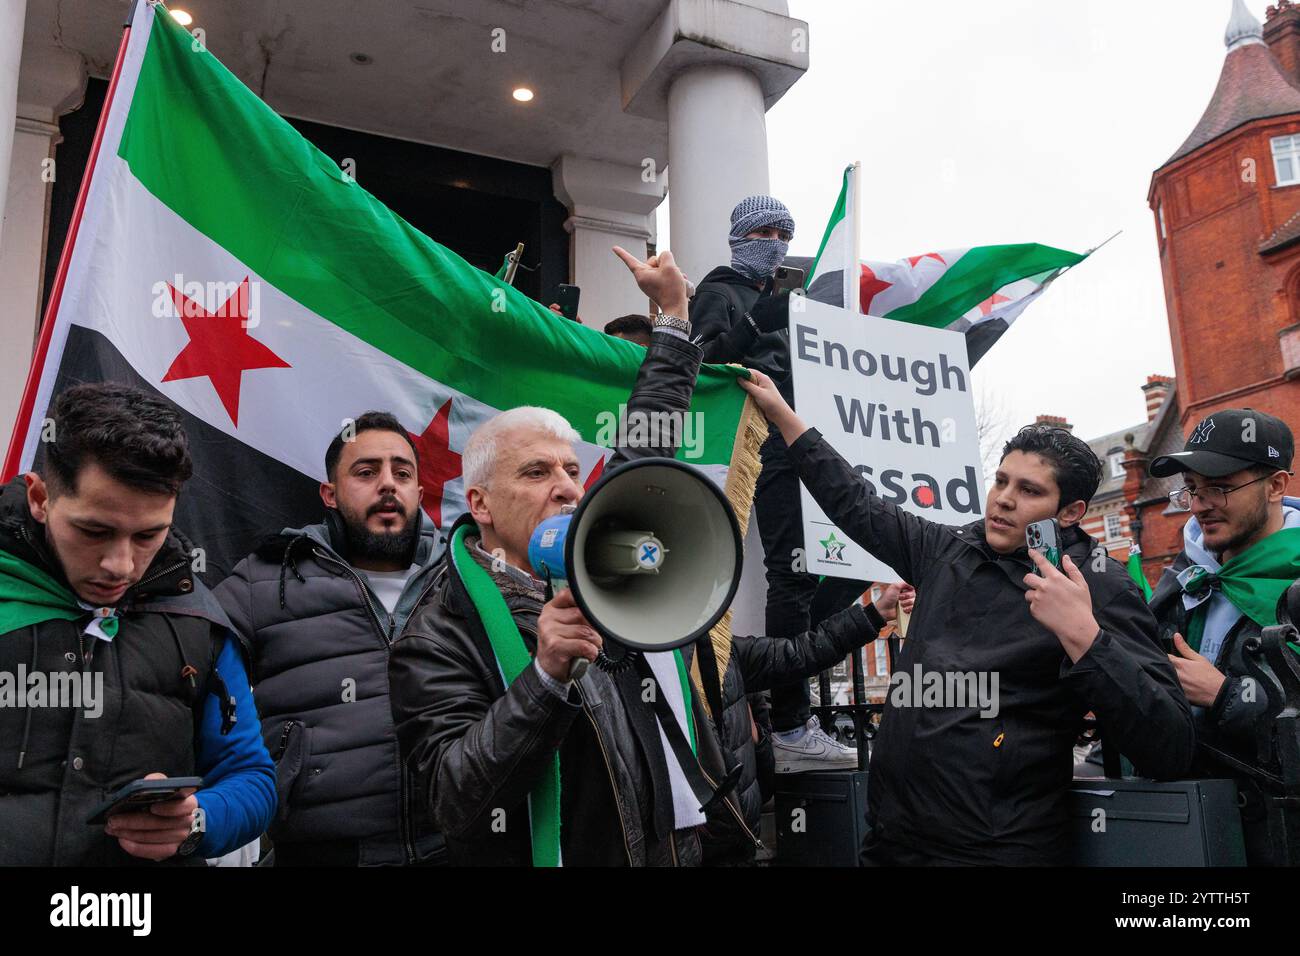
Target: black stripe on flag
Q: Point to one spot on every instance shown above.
(237, 496)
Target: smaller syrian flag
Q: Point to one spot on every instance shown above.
(979, 290)
(1135, 570)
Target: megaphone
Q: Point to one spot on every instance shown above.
(652, 555)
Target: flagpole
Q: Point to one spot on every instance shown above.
(514, 258)
(22, 423)
(853, 270)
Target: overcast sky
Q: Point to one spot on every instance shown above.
(1011, 121)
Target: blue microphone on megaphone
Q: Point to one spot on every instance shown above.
(652, 554)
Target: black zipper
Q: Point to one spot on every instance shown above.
(404, 821)
(154, 577)
(613, 784)
(283, 744)
(365, 592)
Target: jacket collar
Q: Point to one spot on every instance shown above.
(327, 534)
(1076, 543)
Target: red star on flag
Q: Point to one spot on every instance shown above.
(868, 287)
(438, 463)
(986, 307)
(220, 346)
(913, 260)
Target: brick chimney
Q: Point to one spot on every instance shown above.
(1135, 469)
(1157, 389)
(1282, 34)
(1056, 420)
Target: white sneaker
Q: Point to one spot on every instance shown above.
(815, 750)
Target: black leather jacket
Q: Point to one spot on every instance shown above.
(476, 749)
(757, 664)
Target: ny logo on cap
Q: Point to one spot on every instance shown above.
(1202, 432)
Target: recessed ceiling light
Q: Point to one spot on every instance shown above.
(181, 17)
(523, 94)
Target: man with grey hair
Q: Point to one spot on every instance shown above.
(515, 763)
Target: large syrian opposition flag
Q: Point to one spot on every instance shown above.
(980, 290)
(221, 261)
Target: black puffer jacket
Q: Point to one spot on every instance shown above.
(962, 788)
(57, 764)
(478, 748)
(320, 643)
(756, 664)
(718, 324)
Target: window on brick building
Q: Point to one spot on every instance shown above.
(1286, 159)
(1116, 464)
(1114, 526)
(1160, 215)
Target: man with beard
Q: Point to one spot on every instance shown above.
(1241, 551)
(321, 606)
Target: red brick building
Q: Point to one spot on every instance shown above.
(1227, 217)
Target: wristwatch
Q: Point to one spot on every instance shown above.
(191, 842)
(665, 321)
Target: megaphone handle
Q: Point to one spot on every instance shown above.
(578, 667)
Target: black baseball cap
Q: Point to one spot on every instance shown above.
(1228, 441)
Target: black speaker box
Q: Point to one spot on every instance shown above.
(1131, 822)
(820, 817)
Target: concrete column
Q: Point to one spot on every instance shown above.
(12, 17)
(52, 82)
(609, 205)
(717, 155)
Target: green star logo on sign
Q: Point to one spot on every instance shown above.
(834, 547)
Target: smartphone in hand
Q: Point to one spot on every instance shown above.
(787, 279)
(140, 794)
(1045, 536)
(566, 297)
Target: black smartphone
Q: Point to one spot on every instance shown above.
(566, 297)
(139, 794)
(788, 279)
(1045, 536)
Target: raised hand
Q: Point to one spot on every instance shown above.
(660, 279)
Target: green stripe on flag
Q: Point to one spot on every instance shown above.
(206, 147)
(978, 275)
(837, 216)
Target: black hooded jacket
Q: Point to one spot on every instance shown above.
(965, 789)
(718, 325)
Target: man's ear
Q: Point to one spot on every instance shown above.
(329, 494)
(38, 496)
(476, 499)
(1277, 483)
(1072, 513)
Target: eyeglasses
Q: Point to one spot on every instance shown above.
(1212, 496)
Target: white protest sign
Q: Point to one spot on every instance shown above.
(895, 400)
